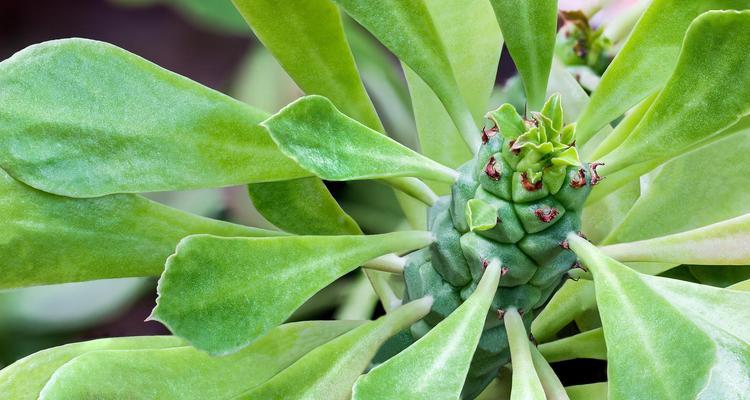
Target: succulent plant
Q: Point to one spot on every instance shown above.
(496, 208)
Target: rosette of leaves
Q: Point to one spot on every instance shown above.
(86, 126)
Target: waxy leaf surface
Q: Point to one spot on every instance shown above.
(529, 29)
(407, 29)
(333, 146)
(526, 384)
(329, 371)
(435, 367)
(184, 373)
(669, 339)
(224, 293)
(646, 60)
(82, 118)
(54, 239)
(25, 379)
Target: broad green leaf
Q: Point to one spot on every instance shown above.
(669, 339)
(329, 371)
(52, 239)
(529, 29)
(24, 379)
(313, 210)
(121, 124)
(624, 128)
(407, 28)
(647, 60)
(722, 243)
(526, 384)
(591, 391)
(435, 367)
(589, 344)
(224, 293)
(705, 94)
(682, 195)
(473, 43)
(183, 373)
(335, 147)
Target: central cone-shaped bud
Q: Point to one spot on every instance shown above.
(515, 202)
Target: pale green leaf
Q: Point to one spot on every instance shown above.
(529, 29)
(184, 373)
(472, 42)
(480, 215)
(705, 94)
(83, 118)
(722, 243)
(553, 388)
(591, 391)
(329, 371)
(407, 29)
(526, 383)
(335, 147)
(24, 379)
(669, 339)
(602, 217)
(223, 293)
(52, 239)
(435, 367)
(572, 299)
(589, 344)
(646, 60)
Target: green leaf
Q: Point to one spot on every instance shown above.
(529, 29)
(480, 215)
(224, 293)
(553, 388)
(435, 367)
(24, 379)
(329, 371)
(313, 210)
(602, 217)
(407, 29)
(722, 243)
(706, 93)
(589, 344)
(682, 194)
(121, 124)
(720, 275)
(571, 300)
(335, 147)
(526, 384)
(473, 43)
(647, 60)
(186, 373)
(53, 239)
(591, 391)
(669, 339)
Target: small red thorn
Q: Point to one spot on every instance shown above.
(582, 235)
(500, 313)
(488, 133)
(531, 187)
(504, 271)
(580, 180)
(565, 245)
(595, 177)
(485, 263)
(490, 170)
(546, 215)
(512, 149)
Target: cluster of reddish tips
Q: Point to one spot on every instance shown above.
(546, 214)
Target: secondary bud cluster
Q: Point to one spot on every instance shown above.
(516, 201)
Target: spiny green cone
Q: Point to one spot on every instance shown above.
(516, 202)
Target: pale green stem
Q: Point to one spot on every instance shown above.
(414, 188)
(387, 263)
(360, 301)
(553, 388)
(589, 344)
(526, 384)
(570, 301)
(383, 289)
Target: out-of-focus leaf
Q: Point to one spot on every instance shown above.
(589, 344)
(216, 15)
(591, 391)
(706, 93)
(573, 298)
(224, 293)
(407, 28)
(602, 217)
(53, 239)
(683, 193)
(669, 339)
(435, 367)
(335, 147)
(24, 379)
(121, 124)
(499, 388)
(316, 212)
(473, 43)
(262, 83)
(526, 384)
(722, 243)
(529, 29)
(720, 275)
(184, 373)
(647, 60)
(329, 371)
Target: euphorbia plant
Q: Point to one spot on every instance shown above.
(529, 200)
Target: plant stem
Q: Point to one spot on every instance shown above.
(379, 281)
(414, 188)
(526, 384)
(553, 388)
(359, 302)
(387, 263)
